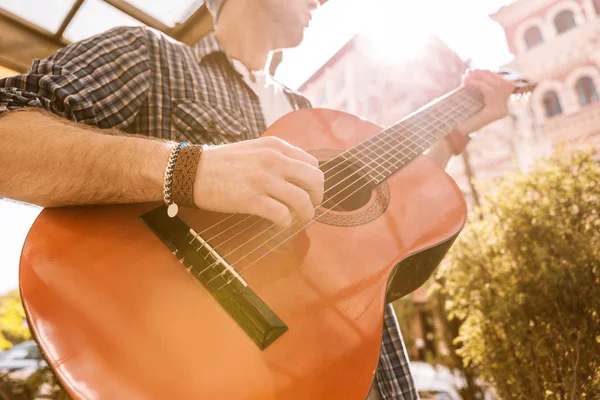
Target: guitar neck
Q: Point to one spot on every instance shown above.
(385, 153)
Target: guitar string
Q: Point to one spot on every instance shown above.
(259, 219)
(273, 249)
(420, 136)
(456, 92)
(230, 280)
(365, 148)
(325, 181)
(388, 136)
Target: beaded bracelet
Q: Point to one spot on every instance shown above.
(172, 208)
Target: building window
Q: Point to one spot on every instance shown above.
(586, 91)
(552, 104)
(533, 37)
(564, 21)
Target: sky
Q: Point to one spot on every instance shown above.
(464, 25)
(391, 24)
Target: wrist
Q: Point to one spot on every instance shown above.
(444, 147)
(154, 159)
(457, 141)
(180, 176)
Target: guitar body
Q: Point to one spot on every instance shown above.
(119, 317)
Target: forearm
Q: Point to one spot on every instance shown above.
(51, 162)
(440, 153)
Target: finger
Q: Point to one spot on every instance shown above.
(292, 151)
(307, 177)
(496, 81)
(273, 210)
(485, 88)
(495, 104)
(293, 197)
(487, 76)
(466, 75)
(300, 155)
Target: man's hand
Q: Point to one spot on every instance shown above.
(496, 92)
(267, 177)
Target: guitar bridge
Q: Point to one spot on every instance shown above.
(226, 285)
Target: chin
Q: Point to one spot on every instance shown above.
(293, 40)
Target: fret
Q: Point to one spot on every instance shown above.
(369, 167)
(444, 126)
(374, 164)
(383, 154)
(388, 157)
(414, 147)
(402, 153)
(405, 139)
(397, 156)
(358, 157)
(406, 152)
(382, 172)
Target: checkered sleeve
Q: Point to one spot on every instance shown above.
(101, 81)
(394, 377)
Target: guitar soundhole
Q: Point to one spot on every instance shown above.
(346, 187)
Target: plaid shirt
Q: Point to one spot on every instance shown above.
(141, 81)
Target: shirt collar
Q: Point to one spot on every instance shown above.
(208, 45)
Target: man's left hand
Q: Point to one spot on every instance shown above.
(496, 92)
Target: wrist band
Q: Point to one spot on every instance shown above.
(168, 181)
(184, 175)
(457, 141)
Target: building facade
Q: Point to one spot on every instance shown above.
(556, 43)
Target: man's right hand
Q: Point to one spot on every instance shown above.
(267, 177)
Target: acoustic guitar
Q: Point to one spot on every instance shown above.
(129, 303)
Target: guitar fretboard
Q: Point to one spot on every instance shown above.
(385, 153)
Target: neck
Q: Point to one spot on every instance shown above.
(244, 41)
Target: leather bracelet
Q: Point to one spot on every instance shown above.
(172, 208)
(458, 141)
(184, 175)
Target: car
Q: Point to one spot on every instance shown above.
(435, 382)
(25, 355)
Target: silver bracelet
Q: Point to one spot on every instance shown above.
(172, 208)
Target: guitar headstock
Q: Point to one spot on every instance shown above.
(523, 86)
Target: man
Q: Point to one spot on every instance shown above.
(135, 81)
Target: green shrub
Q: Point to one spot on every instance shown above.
(524, 280)
(13, 326)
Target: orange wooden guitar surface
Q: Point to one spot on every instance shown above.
(119, 317)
